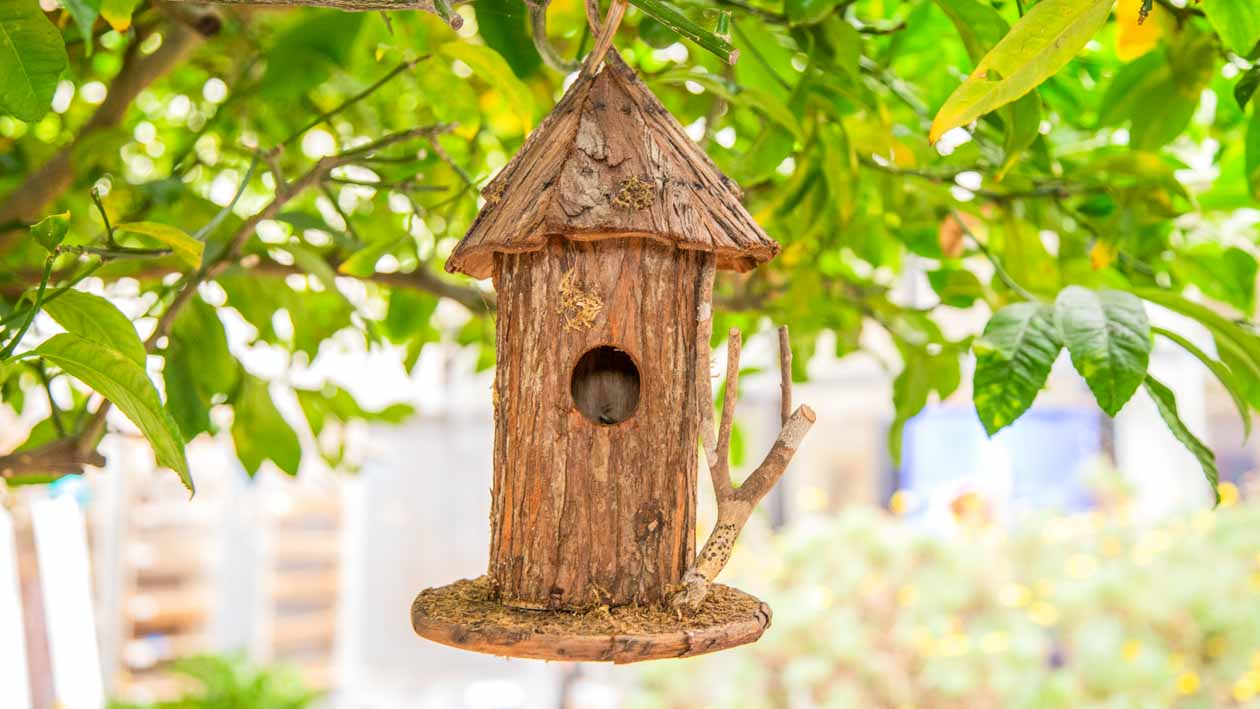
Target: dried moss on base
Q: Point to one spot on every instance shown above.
(467, 615)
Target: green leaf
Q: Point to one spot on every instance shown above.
(1226, 274)
(1166, 403)
(809, 12)
(1236, 21)
(492, 69)
(1040, 44)
(84, 13)
(840, 166)
(123, 382)
(1246, 344)
(185, 248)
(51, 230)
(32, 58)
(1222, 373)
(674, 19)
(980, 26)
(502, 24)
(118, 13)
(956, 287)
(362, 263)
(1146, 92)
(198, 333)
(1248, 371)
(95, 318)
(333, 402)
(260, 432)
(183, 398)
(1253, 152)
(1013, 359)
(655, 33)
(1246, 86)
(408, 314)
(921, 374)
(307, 51)
(1109, 338)
(1023, 125)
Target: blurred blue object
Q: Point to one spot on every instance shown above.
(72, 486)
(1037, 463)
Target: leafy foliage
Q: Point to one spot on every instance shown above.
(1101, 609)
(1013, 361)
(231, 681)
(1051, 165)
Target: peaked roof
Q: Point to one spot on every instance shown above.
(610, 161)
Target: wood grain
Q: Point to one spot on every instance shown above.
(582, 513)
(521, 634)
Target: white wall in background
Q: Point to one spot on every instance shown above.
(61, 549)
(1166, 478)
(15, 691)
(418, 516)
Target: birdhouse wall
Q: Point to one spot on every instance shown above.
(587, 513)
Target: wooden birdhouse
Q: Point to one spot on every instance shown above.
(602, 237)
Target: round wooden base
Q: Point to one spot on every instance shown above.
(465, 615)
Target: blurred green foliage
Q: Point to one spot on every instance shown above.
(1096, 610)
(232, 682)
(1088, 176)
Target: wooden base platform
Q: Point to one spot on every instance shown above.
(466, 615)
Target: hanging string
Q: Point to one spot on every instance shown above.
(604, 34)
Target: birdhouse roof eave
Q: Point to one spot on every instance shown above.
(478, 261)
(610, 161)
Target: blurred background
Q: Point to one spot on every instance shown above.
(332, 382)
(1072, 560)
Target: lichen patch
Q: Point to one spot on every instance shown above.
(634, 193)
(578, 307)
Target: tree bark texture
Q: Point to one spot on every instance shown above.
(584, 513)
(348, 5)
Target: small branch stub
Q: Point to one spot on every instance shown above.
(735, 505)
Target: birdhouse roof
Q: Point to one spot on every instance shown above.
(610, 162)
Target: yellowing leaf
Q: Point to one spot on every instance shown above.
(1040, 44)
(182, 245)
(118, 13)
(1102, 255)
(1134, 39)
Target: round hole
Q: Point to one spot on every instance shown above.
(605, 385)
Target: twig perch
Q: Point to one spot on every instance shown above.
(735, 505)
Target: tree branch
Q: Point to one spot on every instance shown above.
(538, 29)
(735, 505)
(434, 6)
(59, 457)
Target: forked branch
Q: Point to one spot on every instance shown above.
(735, 505)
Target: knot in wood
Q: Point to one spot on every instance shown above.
(578, 307)
(634, 193)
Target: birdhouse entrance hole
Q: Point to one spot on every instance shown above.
(605, 385)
